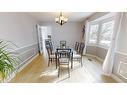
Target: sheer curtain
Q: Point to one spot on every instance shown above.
(86, 35)
(108, 62)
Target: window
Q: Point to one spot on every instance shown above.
(93, 34)
(101, 32)
(105, 34)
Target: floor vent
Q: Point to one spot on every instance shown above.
(90, 59)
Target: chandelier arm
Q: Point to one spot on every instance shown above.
(61, 20)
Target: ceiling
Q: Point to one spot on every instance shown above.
(50, 16)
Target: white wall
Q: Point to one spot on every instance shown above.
(121, 51)
(71, 32)
(18, 28)
(122, 38)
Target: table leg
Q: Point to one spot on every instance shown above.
(56, 60)
(72, 61)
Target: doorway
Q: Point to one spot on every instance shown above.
(44, 32)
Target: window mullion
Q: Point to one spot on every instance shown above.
(98, 33)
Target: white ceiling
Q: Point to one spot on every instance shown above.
(50, 16)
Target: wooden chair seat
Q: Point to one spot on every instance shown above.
(76, 56)
(63, 60)
(52, 56)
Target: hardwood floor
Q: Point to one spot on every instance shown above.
(39, 72)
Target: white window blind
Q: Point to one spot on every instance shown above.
(105, 34)
(93, 34)
(101, 33)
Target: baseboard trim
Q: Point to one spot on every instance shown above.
(117, 78)
(20, 69)
(101, 60)
(29, 60)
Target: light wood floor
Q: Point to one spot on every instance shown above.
(38, 72)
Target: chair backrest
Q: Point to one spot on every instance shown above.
(63, 53)
(62, 44)
(76, 46)
(49, 50)
(82, 45)
(48, 44)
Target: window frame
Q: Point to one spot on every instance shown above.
(92, 23)
(100, 23)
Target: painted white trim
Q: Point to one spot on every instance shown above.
(101, 60)
(28, 45)
(24, 47)
(118, 70)
(25, 52)
(27, 58)
(9, 78)
(106, 18)
(122, 53)
(104, 47)
(93, 45)
(99, 46)
(90, 55)
(28, 62)
(117, 78)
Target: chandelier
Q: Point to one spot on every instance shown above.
(61, 19)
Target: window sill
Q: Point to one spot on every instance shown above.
(100, 46)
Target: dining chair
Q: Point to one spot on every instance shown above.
(64, 58)
(78, 56)
(51, 55)
(63, 44)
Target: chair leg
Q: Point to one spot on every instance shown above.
(59, 71)
(71, 63)
(51, 60)
(68, 70)
(81, 62)
(58, 68)
(48, 62)
(57, 63)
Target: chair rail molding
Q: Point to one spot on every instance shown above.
(26, 54)
(122, 53)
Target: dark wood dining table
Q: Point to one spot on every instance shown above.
(62, 51)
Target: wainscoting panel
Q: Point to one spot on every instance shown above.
(120, 66)
(25, 54)
(96, 51)
(122, 69)
(101, 52)
(91, 50)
